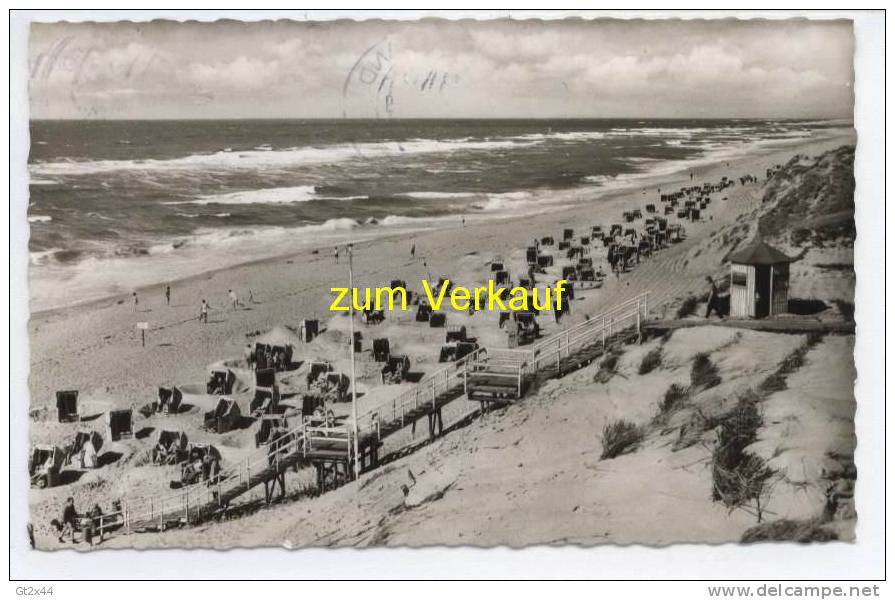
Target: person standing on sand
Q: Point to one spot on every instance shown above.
(412, 249)
(168, 295)
(712, 303)
(136, 301)
(336, 253)
(234, 301)
(203, 312)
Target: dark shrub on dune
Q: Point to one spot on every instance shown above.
(740, 478)
(704, 373)
(687, 307)
(650, 361)
(620, 437)
(786, 530)
(675, 397)
(608, 366)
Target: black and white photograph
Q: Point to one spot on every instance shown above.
(416, 282)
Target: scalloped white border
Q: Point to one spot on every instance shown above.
(862, 560)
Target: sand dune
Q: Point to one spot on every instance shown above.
(512, 477)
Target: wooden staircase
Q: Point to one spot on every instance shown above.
(486, 375)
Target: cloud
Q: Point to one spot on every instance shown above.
(483, 69)
(240, 74)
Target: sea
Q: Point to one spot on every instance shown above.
(118, 205)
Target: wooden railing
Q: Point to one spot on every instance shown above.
(551, 351)
(196, 501)
(407, 404)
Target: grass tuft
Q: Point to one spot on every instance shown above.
(704, 373)
(620, 437)
(687, 307)
(675, 397)
(786, 530)
(651, 361)
(740, 478)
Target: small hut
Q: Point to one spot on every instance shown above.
(759, 281)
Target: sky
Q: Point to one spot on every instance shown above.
(442, 69)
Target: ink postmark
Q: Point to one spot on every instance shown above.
(378, 83)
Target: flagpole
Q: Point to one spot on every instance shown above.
(353, 374)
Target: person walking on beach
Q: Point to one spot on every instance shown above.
(234, 301)
(412, 249)
(136, 302)
(336, 253)
(203, 312)
(69, 519)
(168, 295)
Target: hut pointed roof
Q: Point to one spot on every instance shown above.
(757, 252)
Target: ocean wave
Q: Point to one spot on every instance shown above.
(505, 200)
(277, 159)
(606, 179)
(282, 195)
(35, 181)
(39, 219)
(437, 195)
(55, 255)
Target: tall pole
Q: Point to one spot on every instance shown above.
(353, 375)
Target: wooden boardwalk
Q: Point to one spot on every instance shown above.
(779, 325)
(501, 375)
(506, 375)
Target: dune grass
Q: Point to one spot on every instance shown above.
(651, 361)
(704, 373)
(620, 437)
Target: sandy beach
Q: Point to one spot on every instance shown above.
(96, 348)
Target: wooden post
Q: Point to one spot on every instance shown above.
(771, 292)
(603, 332)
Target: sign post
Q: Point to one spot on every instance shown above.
(143, 326)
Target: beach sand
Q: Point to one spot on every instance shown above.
(97, 349)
